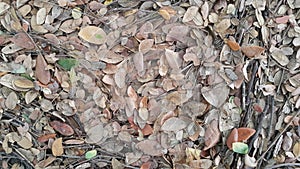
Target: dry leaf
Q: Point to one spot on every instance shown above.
(232, 44)
(138, 61)
(11, 100)
(212, 135)
(23, 83)
(216, 95)
(3, 7)
(173, 124)
(190, 14)
(22, 40)
(41, 72)
(11, 48)
(245, 133)
(120, 77)
(93, 34)
(41, 16)
(95, 134)
(150, 147)
(296, 150)
(252, 51)
(57, 147)
(146, 45)
(62, 128)
(46, 137)
(233, 137)
(173, 59)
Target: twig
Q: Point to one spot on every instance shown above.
(277, 137)
(284, 165)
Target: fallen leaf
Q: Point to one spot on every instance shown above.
(67, 63)
(232, 44)
(57, 147)
(212, 135)
(46, 137)
(23, 83)
(11, 100)
(22, 40)
(41, 72)
(190, 14)
(62, 128)
(120, 77)
(296, 149)
(90, 154)
(252, 51)
(250, 161)
(41, 16)
(233, 137)
(11, 48)
(240, 147)
(280, 57)
(95, 134)
(283, 19)
(146, 45)
(150, 147)
(173, 124)
(216, 95)
(93, 34)
(3, 7)
(245, 133)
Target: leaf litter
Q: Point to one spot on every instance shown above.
(149, 84)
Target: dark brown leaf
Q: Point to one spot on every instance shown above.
(62, 128)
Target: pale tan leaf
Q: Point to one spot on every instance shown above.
(216, 95)
(120, 78)
(57, 147)
(11, 48)
(190, 14)
(173, 124)
(146, 45)
(41, 72)
(41, 16)
(212, 135)
(93, 34)
(138, 61)
(11, 100)
(205, 10)
(25, 143)
(30, 96)
(172, 59)
(222, 26)
(95, 134)
(23, 83)
(281, 58)
(296, 149)
(3, 7)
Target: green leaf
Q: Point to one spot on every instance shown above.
(98, 36)
(240, 147)
(90, 154)
(67, 63)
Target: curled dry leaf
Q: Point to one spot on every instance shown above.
(62, 128)
(93, 34)
(212, 135)
(57, 147)
(41, 72)
(252, 51)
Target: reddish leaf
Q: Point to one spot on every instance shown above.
(251, 51)
(147, 130)
(233, 137)
(146, 165)
(46, 137)
(257, 108)
(22, 40)
(41, 72)
(212, 135)
(245, 133)
(62, 128)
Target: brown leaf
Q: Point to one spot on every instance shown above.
(233, 137)
(233, 45)
(11, 100)
(252, 51)
(146, 45)
(57, 147)
(212, 135)
(41, 72)
(147, 130)
(22, 40)
(216, 95)
(62, 128)
(46, 137)
(245, 133)
(150, 147)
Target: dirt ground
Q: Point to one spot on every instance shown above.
(141, 84)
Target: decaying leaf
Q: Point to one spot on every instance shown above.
(62, 128)
(93, 34)
(41, 72)
(212, 135)
(57, 147)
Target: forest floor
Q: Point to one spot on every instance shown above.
(149, 84)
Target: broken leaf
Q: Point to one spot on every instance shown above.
(93, 34)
